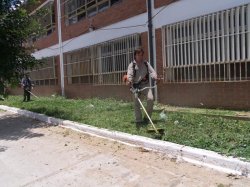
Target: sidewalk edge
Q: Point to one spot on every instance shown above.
(192, 155)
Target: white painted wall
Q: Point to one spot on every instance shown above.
(175, 12)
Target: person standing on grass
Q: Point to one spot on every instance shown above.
(26, 84)
(138, 75)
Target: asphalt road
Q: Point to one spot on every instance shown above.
(33, 153)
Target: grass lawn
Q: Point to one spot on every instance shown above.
(225, 136)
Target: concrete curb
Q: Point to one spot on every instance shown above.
(196, 156)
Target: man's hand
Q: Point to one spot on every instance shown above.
(125, 80)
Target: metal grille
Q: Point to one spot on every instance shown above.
(78, 67)
(214, 47)
(101, 64)
(45, 74)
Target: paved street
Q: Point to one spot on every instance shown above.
(36, 154)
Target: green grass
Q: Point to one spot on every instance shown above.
(225, 136)
(205, 111)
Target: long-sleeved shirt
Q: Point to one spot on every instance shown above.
(141, 72)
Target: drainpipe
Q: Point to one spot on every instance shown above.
(151, 42)
(59, 29)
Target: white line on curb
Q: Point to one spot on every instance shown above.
(196, 156)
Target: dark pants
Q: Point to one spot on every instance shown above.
(26, 95)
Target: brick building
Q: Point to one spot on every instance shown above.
(202, 49)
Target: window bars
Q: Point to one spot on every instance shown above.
(214, 47)
(76, 10)
(45, 74)
(101, 64)
(78, 67)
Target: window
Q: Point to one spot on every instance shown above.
(48, 20)
(46, 17)
(78, 67)
(76, 10)
(101, 64)
(45, 74)
(214, 47)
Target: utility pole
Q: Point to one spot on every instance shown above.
(59, 29)
(150, 33)
(151, 41)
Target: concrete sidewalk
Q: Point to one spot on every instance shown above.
(196, 156)
(33, 153)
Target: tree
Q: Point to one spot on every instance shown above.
(16, 28)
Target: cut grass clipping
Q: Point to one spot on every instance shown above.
(225, 136)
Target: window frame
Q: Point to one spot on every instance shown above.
(87, 8)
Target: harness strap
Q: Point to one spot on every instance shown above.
(134, 71)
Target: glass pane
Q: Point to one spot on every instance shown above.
(92, 11)
(103, 6)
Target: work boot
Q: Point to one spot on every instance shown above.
(145, 120)
(139, 124)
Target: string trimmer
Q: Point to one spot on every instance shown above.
(136, 91)
(32, 94)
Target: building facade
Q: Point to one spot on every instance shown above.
(201, 49)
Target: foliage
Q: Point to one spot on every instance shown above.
(16, 27)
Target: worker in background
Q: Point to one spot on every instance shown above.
(26, 85)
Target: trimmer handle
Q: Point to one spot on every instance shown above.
(134, 90)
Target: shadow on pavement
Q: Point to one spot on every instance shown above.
(2, 148)
(14, 127)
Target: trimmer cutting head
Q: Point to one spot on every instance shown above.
(157, 130)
